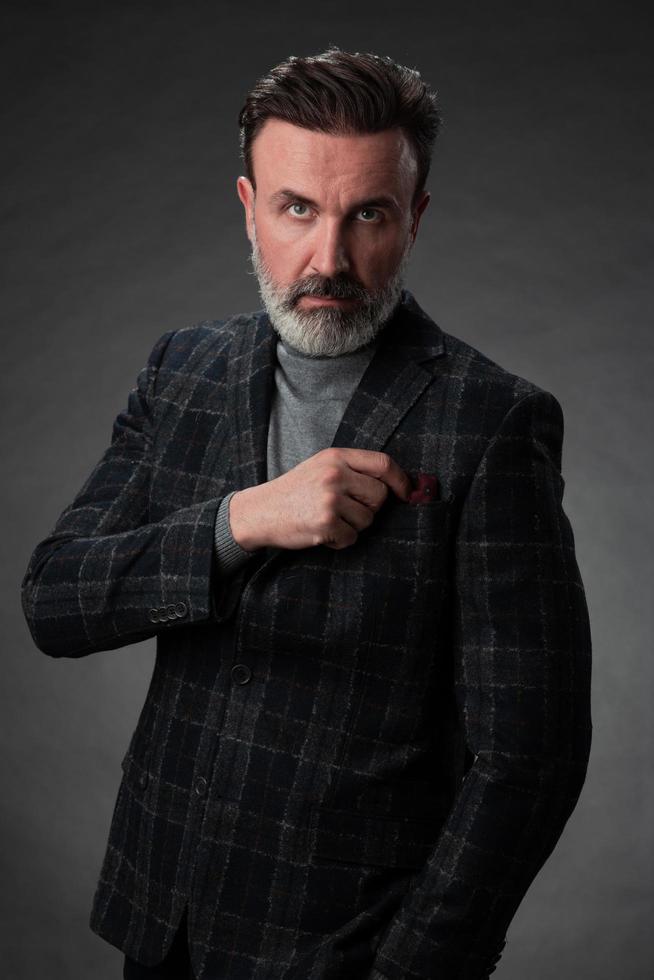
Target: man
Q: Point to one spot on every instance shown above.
(369, 720)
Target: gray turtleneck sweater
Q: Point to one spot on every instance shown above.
(309, 399)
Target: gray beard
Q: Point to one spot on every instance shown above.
(328, 331)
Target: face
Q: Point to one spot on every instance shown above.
(331, 227)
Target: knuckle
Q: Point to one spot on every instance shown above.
(331, 474)
(325, 517)
(329, 498)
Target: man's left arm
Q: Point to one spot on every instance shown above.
(522, 651)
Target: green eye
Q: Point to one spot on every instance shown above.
(371, 211)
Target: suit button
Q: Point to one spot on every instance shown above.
(241, 673)
(200, 786)
(180, 609)
(154, 616)
(170, 612)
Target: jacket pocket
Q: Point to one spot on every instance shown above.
(418, 517)
(358, 838)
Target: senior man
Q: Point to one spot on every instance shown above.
(369, 716)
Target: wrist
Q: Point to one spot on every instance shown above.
(245, 529)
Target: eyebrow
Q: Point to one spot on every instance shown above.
(379, 201)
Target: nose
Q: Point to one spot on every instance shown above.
(330, 253)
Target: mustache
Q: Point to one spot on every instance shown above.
(337, 287)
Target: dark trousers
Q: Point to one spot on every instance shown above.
(176, 966)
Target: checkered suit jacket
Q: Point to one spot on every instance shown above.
(350, 763)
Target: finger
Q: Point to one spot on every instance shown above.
(368, 490)
(357, 515)
(352, 518)
(381, 466)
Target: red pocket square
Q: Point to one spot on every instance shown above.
(426, 489)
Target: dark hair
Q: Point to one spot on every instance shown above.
(339, 92)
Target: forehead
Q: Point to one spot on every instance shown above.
(284, 154)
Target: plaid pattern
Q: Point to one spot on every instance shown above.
(350, 763)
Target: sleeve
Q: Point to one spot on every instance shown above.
(522, 653)
(105, 577)
(230, 557)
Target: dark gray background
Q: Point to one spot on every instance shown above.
(122, 221)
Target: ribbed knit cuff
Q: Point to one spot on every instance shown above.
(229, 554)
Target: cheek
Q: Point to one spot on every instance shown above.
(378, 258)
(284, 254)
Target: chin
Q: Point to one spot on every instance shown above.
(324, 332)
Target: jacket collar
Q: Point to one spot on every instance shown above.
(392, 382)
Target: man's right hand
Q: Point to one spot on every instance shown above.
(326, 499)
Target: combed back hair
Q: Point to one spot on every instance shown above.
(342, 93)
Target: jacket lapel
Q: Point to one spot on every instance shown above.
(394, 379)
(250, 386)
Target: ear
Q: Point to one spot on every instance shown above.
(245, 191)
(423, 201)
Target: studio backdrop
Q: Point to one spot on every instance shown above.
(121, 221)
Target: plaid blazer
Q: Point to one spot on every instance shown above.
(350, 763)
